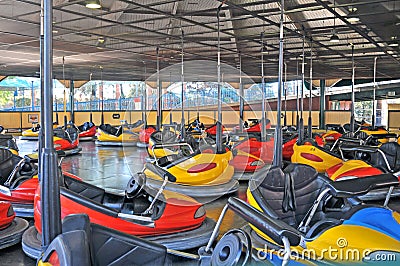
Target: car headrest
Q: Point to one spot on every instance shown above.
(390, 148)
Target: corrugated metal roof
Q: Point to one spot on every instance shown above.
(132, 31)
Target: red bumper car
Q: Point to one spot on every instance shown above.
(171, 219)
(144, 136)
(66, 140)
(18, 181)
(87, 131)
(287, 148)
(11, 227)
(250, 155)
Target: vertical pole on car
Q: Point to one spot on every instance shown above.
(297, 95)
(102, 95)
(71, 99)
(183, 131)
(285, 94)
(144, 107)
(241, 96)
(263, 125)
(219, 121)
(353, 100)
(40, 136)
(301, 120)
(309, 128)
(159, 92)
(374, 95)
(49, 186)
(32, 97)
(278, 130)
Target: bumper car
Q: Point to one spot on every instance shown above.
(296, 214)
(211, 132)
(366, 161)
(160, 144)
(369, 161)
(251, 155)
(199, 174)
(123, 135)
(290, 138)
(333, 133)
(87, 131)
(313, 152)
(379, 133)
(167, 142)
(195, 126)
(255, 125)
(297, 152)
(287, 147)
(310, 153)
(32, 133)
(66, 140)
(18, 181)
(331, 136)
(8, 142)
(168, 218)
(144, 136)
(85, 243)
(11, 227)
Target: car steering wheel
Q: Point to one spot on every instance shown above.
(135, 185)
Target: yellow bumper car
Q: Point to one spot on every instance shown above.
(123, 135)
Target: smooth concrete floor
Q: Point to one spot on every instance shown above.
(111, 168)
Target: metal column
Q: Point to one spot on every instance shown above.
(322, 85)
(71, 99)
(278, 130)
(49, 186)
(159, 93)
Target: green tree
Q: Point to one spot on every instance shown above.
(23, 102)
(6, 99)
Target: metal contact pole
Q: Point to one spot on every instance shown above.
(41, 136)
(183, 132)
(302, 81)
(301, 120)
(297, 94)
(353, 100)
(374, 95)
(91, 98)
(309, 128)
(32, 97)
(102, 95)
(159, 92)
(219, 122)
(278, 130)
(64, 83)
(145, 96)
(71, 99)
(49, 187)
(241, 96)
(285, 93)
(263, 126)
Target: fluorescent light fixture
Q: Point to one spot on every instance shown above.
(393, 42)
(353, 15)
(93, 4)
(101, 43)
(334, 37)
